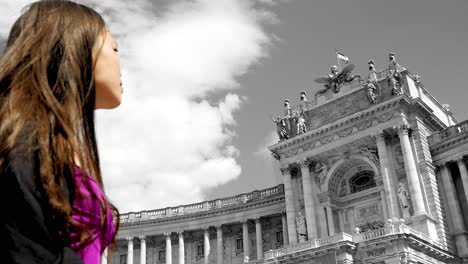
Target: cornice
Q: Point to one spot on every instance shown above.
(344, 126)
(449, 144)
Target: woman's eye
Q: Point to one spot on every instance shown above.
(116, 49)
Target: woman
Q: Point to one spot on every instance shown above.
(60, 64)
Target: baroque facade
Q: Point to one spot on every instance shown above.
(374, 171)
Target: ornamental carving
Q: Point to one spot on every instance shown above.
(340, 134)
(368, 211)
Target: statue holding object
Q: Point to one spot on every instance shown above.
(372, 86)
(301, 126)
(281, 128)
(394, 76)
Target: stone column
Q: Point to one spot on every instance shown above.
(308, 201)
(384, 203)
(352, 223)
(168, 248)
(390, 192)
(219, 240)
(459, 230)
(340, 214)
(463, 175)
(284, 225)
(181, 247)
(130, 250)
(258, 233)
(206, 245)
(245, 238)
(104, 257)
(331, 223)
(142, 249)
(411, 172)
(290, 208)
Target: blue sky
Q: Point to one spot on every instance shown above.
(202, 78)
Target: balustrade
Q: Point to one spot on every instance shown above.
(202, 206)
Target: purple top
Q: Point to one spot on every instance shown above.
(86, 210)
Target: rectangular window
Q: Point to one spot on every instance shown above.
(239, 244)
(279, 236)
(123, 259)
(162, 255)
(200, 250)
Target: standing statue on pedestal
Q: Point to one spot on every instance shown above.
(301, 227)
(301, 126)
(334, 80)
(321, 172)
(394, 76)
(281, 128)
(372, 85)
(403, 197)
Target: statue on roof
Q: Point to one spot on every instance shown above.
(394, 76)
(336, 78)
(281, 128)
(371, 84)
(301, 126)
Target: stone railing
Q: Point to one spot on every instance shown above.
(390, 229)
(318, 242)
(449, 133)
(202, 206)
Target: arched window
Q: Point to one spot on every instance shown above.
(361, 181)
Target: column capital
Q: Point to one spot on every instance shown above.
(258, 220)
(441, 166)
(180, 232)
(404, 129)
(245, 221)
(142, 237)
(304, 163)
(460, 160)
(167, 234)
(283, 213)
(285, 169)
(129, 239)
(219, 226)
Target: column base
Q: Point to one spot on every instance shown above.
(424, 224)
(461, 243)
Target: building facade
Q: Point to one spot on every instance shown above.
(374, 171)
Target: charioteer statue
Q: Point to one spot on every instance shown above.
(336, 78)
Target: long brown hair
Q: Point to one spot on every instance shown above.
(47, 87)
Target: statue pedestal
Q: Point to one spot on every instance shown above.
(406, 213)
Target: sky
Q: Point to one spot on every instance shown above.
(202, 78)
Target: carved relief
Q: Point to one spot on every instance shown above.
(368, 211)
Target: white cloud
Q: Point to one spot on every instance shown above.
(167, 148)
(167, 142)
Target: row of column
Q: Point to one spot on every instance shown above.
(388, 194)
(459, 229)
(206, 243)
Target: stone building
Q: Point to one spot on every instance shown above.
(374, 171)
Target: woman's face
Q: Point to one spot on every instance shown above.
(107, 72)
